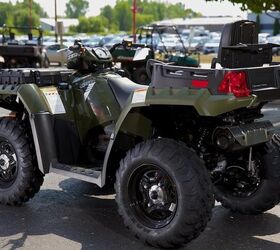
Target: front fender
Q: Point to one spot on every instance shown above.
(41, 121)
(33, 99)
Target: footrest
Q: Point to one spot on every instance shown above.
(91, 175)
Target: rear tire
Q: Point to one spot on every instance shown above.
(20, 177)
(164, 193)
(267, 193)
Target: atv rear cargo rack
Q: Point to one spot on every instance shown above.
(262, 81)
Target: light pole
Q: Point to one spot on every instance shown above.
(134, 11)
(55, 21)
(30, 14)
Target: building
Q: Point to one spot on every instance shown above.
(266, 20)
(209, 23)
(49, 23)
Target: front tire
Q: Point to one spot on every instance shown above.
(266, 193)
(164, 193)
(20, 177)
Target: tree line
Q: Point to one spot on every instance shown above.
(111, 19)
(119, 17)
(18, 14)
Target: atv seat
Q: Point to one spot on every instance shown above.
(122, 87)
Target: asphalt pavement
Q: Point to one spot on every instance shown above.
(71, 214)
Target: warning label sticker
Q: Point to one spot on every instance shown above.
(54, 100)
(139, 96)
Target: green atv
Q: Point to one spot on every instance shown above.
(152, 43)
(20, 54)
(170, 149)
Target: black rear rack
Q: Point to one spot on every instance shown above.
(263, 81)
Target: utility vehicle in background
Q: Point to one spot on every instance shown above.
(171, 148)
(160, 42)
(20, 54)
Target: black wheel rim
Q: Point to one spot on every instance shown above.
(8, 164)
(152, 196)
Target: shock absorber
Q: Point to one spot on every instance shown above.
(204, 133)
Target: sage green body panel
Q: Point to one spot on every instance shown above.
(89, 102)
(95, 106)
(204, 103)
(33, 98)
(201, 99)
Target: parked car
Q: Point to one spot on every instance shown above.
(106, 39)
(112, 42)
(172, 43)
(262, 37)
(195, 43)
(56, 54)
(275, 40)
(93, 41)
(212, 46)
(66, 40)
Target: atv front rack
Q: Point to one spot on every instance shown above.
(42, 77)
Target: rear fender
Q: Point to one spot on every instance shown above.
(200, 99)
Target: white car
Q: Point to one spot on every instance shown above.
(195, 43)
(275, 40)
(56, 53)
(212, 46)
(262, 37)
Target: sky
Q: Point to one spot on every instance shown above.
(206, 8)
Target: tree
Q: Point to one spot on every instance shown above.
(276, 27)
(36, 8)
(256, 6)
(5, 9)
(21, 18)
(76, 8)
(96, 24)
(123, 15)
(143, 19)
(120, 17)
(108, 13)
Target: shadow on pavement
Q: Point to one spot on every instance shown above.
(81, 213)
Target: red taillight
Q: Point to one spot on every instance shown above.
(200, 83)
(235, 83)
